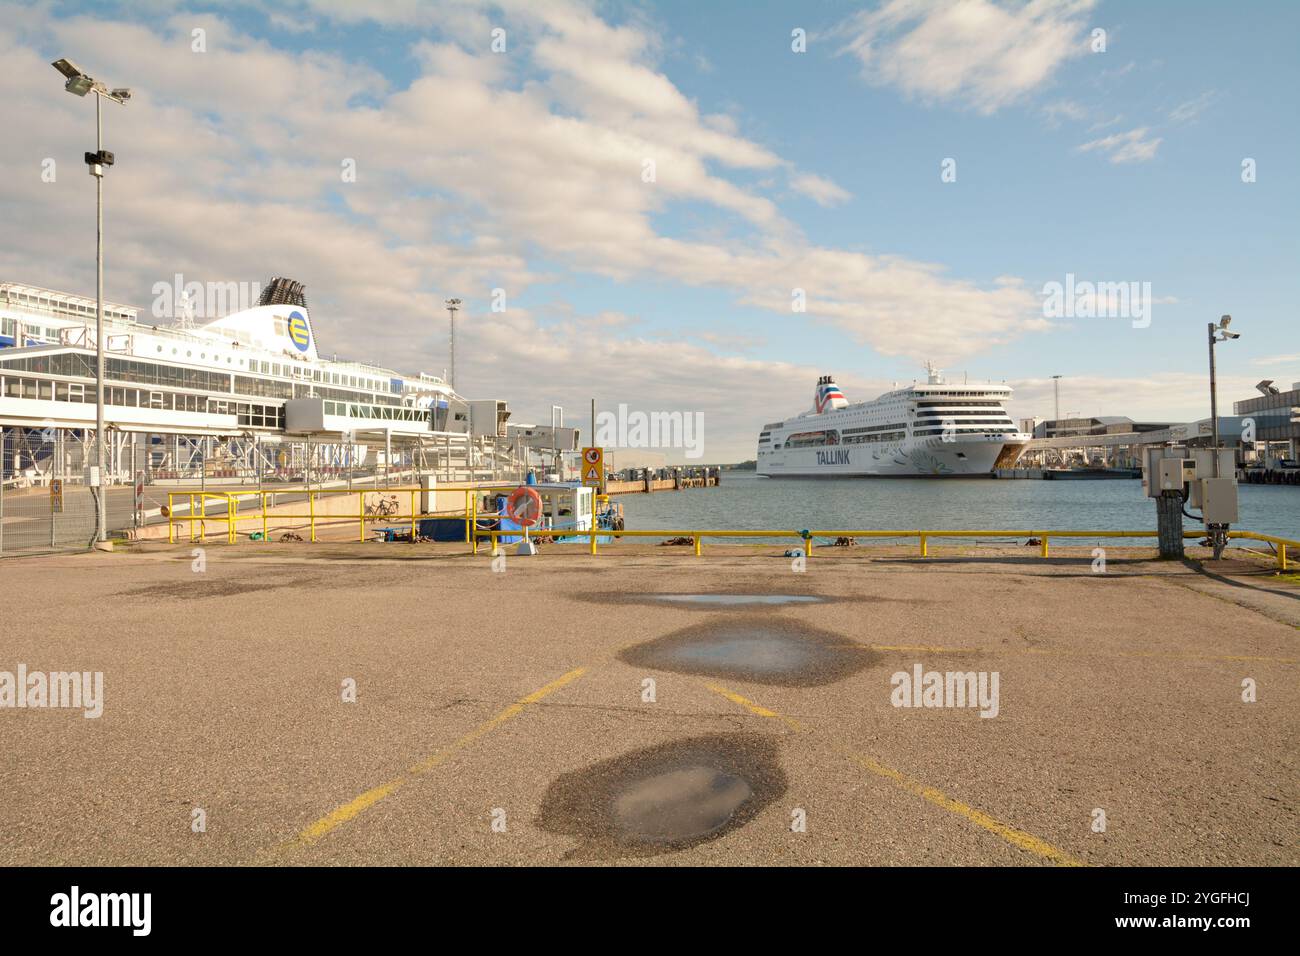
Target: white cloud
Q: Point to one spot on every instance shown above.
(979, 53)
(819, 189)
(1135, 146)
(229, 168)
(1191, 109)
(1058, 110)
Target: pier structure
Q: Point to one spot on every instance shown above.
(647, 480)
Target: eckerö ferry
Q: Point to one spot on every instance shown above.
(930, 430)
(256, 369)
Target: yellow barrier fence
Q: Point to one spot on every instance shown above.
(366, 513)
(199, 514)
(923, 537)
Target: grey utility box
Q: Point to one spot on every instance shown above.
(1205, 462)
(1165, 469)
(1217, 500)
(1174, 473)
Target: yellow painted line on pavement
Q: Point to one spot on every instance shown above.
(353, 808)
(749, 704)
(922, 649)
(1013, 835)
(1056, 652)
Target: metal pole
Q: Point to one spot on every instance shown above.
(102, 512)
(1214, 403)
(452, 306)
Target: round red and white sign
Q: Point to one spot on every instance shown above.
(593, 456)
(524, 506)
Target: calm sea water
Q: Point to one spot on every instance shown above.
(747, 501)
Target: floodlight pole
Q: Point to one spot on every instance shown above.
(102, 495)
(452, 306)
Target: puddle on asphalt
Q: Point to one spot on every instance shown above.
(737, 600)
(664, 798)
(759, 649)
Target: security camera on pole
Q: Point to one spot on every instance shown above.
(80, 83)
(1217, 497)
(1178, 476)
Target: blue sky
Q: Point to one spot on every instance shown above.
(521, 171)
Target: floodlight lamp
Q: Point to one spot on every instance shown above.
(80, 85)
(68, 68)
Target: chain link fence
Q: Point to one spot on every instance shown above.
(41, 510)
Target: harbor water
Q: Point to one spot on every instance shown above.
(747, 502)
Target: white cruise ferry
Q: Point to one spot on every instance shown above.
(930, 430)
(254, 373)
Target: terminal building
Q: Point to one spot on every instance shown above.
(241, 395)
(1276, 414)
(1101, 425)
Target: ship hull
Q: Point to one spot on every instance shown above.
(932, 458)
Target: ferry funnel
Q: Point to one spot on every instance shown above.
(828, 395)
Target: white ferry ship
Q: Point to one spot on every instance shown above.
(924, 430)
(254, 373)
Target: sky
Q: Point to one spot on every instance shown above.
(695, 207)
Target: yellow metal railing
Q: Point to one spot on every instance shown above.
(470, 515)
(923, 537)
(231, 517)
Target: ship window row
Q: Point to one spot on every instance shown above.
(813, 439)
(956, 413)
(31, 331)
(324, 376)
(875, 437)
(985, 430)
(49, 390)
(268, 387)
(930, 422)
(342, 395)
(874, 428)
(938, 422)
(968, 404)
(386, 412)
(76, 365)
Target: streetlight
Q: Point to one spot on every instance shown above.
(80, 83)
(1218, 333)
